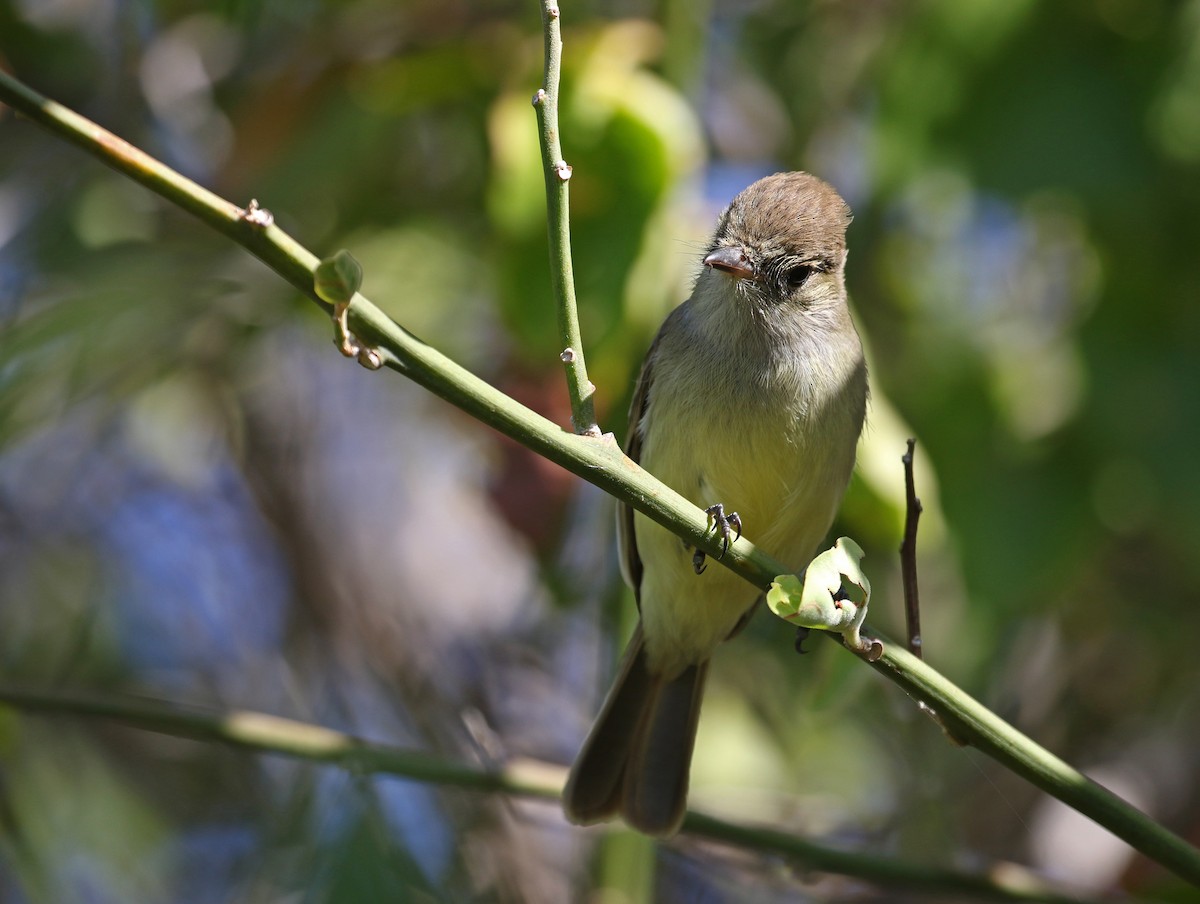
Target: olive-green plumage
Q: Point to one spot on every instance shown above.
(753, 395)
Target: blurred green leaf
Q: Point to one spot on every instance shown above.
(337, 278)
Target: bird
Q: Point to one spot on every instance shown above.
(751, 398)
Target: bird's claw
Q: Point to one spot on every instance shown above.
(801, 636)
(724, 525)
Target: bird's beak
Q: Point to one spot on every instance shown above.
(732, 260)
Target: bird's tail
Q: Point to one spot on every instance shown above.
(636, 758)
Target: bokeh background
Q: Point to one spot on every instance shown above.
(202, 502)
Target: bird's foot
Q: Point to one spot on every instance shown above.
(724, 525)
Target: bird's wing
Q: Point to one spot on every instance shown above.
(631, 562)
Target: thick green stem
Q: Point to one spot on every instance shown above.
(599, 460)
(969, 720)
(562, 276)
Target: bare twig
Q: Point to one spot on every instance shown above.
(908, 554)
(558, 175)
(912, 596)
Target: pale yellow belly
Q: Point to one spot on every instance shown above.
(786, 500)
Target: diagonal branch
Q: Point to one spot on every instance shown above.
(599, 461)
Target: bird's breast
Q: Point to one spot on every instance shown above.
(769, 435)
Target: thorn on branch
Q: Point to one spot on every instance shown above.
(256, 215)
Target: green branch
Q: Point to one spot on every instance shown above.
(558, 174)
(599, 461)
(596, 459)
(286, 737)
(263, 733)
(968, 720)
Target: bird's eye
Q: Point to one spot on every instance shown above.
(797, 275)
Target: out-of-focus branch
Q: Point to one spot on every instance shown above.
(908, 554)
(558, 175)
(599, 461)
(287, 737)
(263, 733)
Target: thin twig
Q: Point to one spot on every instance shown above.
(600, 462)
(908, 554)
(558, 176)
(264, 733)
(912, 595)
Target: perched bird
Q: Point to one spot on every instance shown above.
(752, 397)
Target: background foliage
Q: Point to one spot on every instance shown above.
(201, 501)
